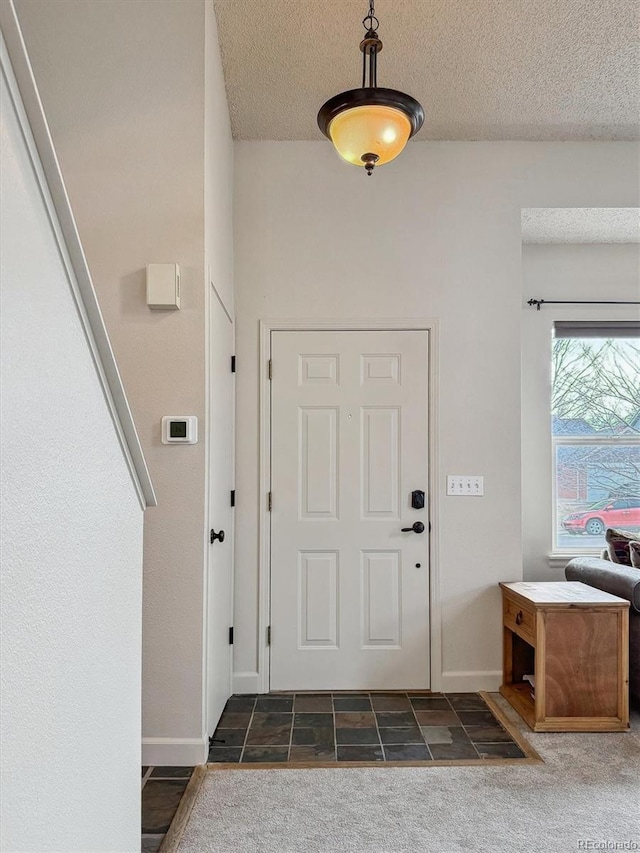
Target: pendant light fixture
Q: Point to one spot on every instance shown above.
(370, 126)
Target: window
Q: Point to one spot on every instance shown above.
(595, 429)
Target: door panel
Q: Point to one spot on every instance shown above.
(349, 589)
(381, 598)
(318, 584)
(318, 469)
(380, 463)
(221, 449)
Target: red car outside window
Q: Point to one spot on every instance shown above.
(621, 512)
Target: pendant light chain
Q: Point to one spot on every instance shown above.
(371, 17)
(370, 47)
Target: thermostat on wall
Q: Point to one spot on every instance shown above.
(180, 429)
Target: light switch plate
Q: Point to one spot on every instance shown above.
(464, 484)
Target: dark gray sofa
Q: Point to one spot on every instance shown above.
(624, 582)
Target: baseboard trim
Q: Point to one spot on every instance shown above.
(471, 682)
(174, 752)
(459, 681)
(245, 682)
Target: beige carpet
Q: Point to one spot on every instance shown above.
(588, 790)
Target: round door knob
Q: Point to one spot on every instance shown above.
(416, 527)
(219, 536)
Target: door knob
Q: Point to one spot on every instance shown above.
(416, 527)
(213, 536)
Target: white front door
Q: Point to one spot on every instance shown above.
(349, 445)
(221, 482)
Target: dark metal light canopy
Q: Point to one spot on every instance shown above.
(370, 126)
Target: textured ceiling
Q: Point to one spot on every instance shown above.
(581, 225)
(483, 69)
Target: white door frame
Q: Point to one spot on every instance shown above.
(211, 294)
(264, 527)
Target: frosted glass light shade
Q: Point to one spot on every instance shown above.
(370, 129)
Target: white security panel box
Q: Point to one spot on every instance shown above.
(163, 286)
(180, 429)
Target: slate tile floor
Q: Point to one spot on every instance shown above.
(343, 727)
(162, 790)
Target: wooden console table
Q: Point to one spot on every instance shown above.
(575, 640)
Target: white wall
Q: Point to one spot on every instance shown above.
(435, 234)
(563, 272)
(137, 107)
(71, 553)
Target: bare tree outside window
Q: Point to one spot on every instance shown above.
(597, 381)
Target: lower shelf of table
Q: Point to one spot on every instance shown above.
(518, 695)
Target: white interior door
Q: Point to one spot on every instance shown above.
(349, 588)
(221, 482)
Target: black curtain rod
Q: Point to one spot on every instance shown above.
(539, 302)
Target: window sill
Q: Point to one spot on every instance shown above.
(559, 561)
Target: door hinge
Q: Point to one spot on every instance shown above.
(233, 364)
(233, 497)
(269, 635)
(230, 636)
(270, 369)
(269, 502)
